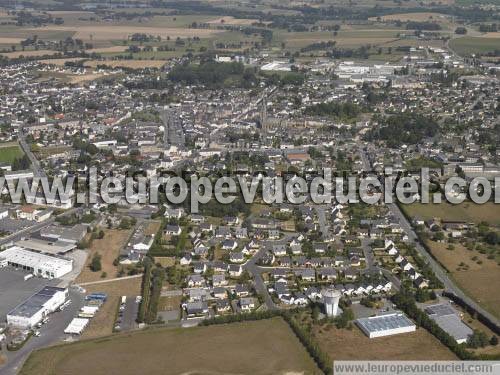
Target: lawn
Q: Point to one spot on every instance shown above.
(466, 211)
(468, 45)
(9, 151)
(259, 347)
(344, 344)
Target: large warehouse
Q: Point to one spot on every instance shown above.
(37, 307)
(388, 324)
(448, 319)
(40, 265)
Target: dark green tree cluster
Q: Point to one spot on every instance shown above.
(406, 128)
(343, 111)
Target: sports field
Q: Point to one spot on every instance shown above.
(259, 347)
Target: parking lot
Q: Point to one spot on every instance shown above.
(129, 314)
(14, 289)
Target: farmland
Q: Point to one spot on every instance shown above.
(259, 347)
(9, 151)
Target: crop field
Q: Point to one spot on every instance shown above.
(259, 347)
(9, 151)
(469, 44)
(466, 211)
(344, 344)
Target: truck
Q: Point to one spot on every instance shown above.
(28, 276)
(124, 300)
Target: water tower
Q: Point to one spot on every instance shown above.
(331, 298)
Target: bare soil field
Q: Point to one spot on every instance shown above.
(97, 33)
(112, 49)
(344, 344)
(109, 249)
(8, 40)
(102, 323)
(259, 347)
(480, 280)
(491, 35)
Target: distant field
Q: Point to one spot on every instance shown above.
(259, 347)
(344, 38)
(232, 21)
(467, 211)
(423, 16)
(15, 54)
(479, 281)
(9, 152)
(111, 32)
(469, 44)
(344, 344)
(134, 64)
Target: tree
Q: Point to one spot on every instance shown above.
(95, 264)
(461, 30)
(494, 340)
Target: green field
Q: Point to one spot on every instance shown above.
(258, 347)
(9, 152)
(468, 45)
(466, 211)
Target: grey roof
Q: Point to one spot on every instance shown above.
(447, 318)
(35, 303)
(384, 322)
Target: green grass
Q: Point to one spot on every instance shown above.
(9, 153)
(468, 45)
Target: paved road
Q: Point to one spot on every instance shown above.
(256, 273)
(35, 164)
(323, 221)
(51, 333)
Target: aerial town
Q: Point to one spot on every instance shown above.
(251, 90)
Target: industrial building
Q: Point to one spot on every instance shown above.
(448, 319)
(388, 324)
(72, 234)
(41, 265)
(37, 307)
(46, 247)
